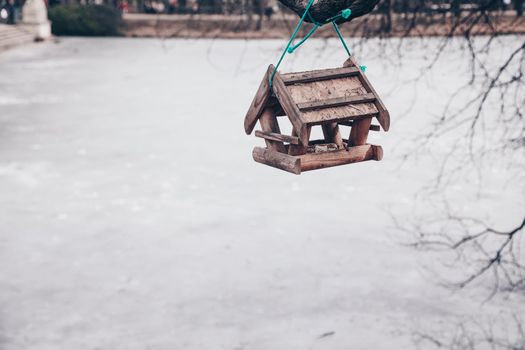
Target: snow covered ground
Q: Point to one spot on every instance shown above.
(133, 217)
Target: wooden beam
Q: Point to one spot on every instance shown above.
(277, 137)
(269, 123)
(277, 160)
(359, 132)
(289, 106)
(350, 123)
(336, 102)
(384, 115)
(319, 75)
(258, 103)
(331, 134)
(378, 152)
(313, 161)
(302, 148)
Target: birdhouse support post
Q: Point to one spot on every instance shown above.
(331, 134)
(359, 132)
(269, 125)
(299, 148)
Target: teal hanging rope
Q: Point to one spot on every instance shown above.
(291, 40)
(336, 27)
(290, 48)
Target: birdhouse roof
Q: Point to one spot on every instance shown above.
(318, 97)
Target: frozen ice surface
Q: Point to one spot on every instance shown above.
(133, 217)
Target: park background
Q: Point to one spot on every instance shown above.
(132, 215)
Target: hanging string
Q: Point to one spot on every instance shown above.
(294, 34)
(336, 27)
(290, 47)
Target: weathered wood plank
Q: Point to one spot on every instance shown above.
(359, 132)
(332, 114)
(384, 115)
(319, 75)
(277, 160)
(326, 89)
(258, 103)
(277, 137)
(289, 106)
(313, 161)
(336, 102)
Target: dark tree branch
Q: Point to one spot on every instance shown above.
(487, 250)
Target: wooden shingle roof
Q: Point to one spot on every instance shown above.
(318, 97)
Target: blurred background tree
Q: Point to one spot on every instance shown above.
(386, 8)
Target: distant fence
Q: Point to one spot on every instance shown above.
(271, 7)
(280, 26)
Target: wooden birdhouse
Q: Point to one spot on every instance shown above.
(330, 98)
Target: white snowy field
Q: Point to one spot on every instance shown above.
(132, 215)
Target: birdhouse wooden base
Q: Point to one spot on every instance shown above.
(316, 160)
(330, 98)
